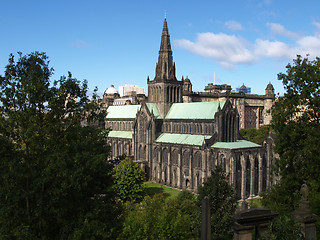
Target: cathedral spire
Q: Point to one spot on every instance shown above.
(165, 69)
(165, 38)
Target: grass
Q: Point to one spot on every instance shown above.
(153, 188)
(255, 203)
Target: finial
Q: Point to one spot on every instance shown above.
(304, 191)
(165, 14)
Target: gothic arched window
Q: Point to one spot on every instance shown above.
(174, 157)
(165, 156)
(198, 160)
(186, 158)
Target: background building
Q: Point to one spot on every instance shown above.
(253, 108)
(244, 89)
(129, 90)
(131, 94)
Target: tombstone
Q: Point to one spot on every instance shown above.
(304, 215)
(205, 220)
(244, 205)
(246, 222)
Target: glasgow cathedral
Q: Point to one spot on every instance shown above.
(178, 136)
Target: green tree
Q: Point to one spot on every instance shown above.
(222, 200)
(284, 228)
(55, 181)
(129, 178)
(155, 218)
(295, 120)
(255, 135)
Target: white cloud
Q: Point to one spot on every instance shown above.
(227, 50)
(278, 29)
(272, 49)
(233, 25)
(80, 44)
(231, 50)
(309, 45)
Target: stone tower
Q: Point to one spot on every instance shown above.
(165, 89)
(270, 90)
(268, 103)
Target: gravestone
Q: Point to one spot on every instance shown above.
(205, 220)
(304, 215)
(246, 222)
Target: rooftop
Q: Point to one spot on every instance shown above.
(154, 109)
(124, 111)
(120, 134)
(177, 138)
(235, 145)
(194, 110)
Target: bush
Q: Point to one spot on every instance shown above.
(155, 218)
(129, 178)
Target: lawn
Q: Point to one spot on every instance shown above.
(255, 203)
(154, 188)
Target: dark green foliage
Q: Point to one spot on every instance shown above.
(129, 178)
(295, 120)
(284, 228)
(186, 195)
(155, 218)
(223, 203)
(255, 135)
(282, 197)
(55, 181)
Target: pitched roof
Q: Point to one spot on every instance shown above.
(120, 134)
(235, 145)
(194, 110)
(125, 111)
(154, 109)
(187, 139)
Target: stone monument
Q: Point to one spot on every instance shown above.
(304, 215)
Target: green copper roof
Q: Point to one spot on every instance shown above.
(187, 139)
(120, 134)
(194, 110)
(235, 145)
(124, 111)
(153, 108)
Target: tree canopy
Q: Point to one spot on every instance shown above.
(55, 180)
(156, 218)
(295, 120)
(222, 201)
(129, 178)
(256, 135)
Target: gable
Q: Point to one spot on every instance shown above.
(194, 110)
(152, 107)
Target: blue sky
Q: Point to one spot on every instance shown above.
(117, 42)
